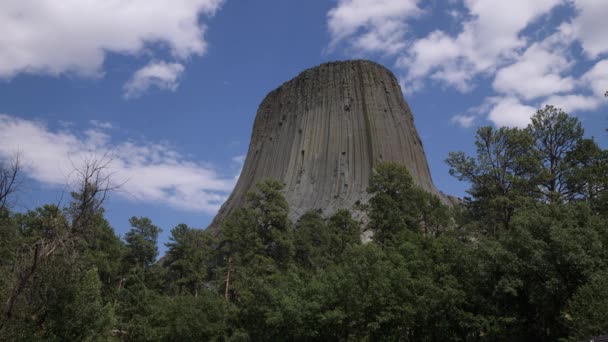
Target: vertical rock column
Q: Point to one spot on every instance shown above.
(323, 132)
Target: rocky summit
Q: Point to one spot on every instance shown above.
(323, 132)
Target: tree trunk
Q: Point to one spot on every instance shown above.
(226, 297)
(120, 283)
(22, 281)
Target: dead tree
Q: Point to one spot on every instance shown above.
(10, 172)
(91, 190)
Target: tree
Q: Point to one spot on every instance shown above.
(321, 242)
(272, 217)
(586, 174)
(556, 136)
(257, 239)
(501, 174)
(397, 205)
(263, 227)
(9, 179)
(311, 241)
(391, 210)
(103, 249)
(56, 231)
(76, 310)
(522, 281)
(191, 258)
(586, 312)
(343, 232)
(142, 242)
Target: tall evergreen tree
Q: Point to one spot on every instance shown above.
(502, 174)
(556, 136)
(191, 258)
(142, 242)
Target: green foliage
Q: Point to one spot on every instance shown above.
(398, 206)
(186, 318)
(502, 176)
(77, 313)
(142, 242)
(102, 249)
(556, 135)
(260, 236)
(312, 241)
(529, 274)
(343, 232)
(586, 312)
(321, 242)
(191, 258)
(586, 174)
(525, 258)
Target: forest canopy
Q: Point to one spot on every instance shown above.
(524, 257)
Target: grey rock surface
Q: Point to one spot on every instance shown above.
(323, 132)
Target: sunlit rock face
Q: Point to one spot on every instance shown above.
(323, 132)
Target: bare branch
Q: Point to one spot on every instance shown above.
(91, 190)
(10, 179)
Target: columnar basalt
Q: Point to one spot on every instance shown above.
(323, 132)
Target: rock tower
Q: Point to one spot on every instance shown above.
(323, 132)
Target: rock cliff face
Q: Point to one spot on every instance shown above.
(323, 132)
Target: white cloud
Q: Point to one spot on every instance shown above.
(525, 48)
(490, 39)
(463, 120)
(591, 26)
(374, 25)
(509, 111)
(150, 172)
(574, 103)
(539, 71)
(101, 124)
(240, 162)
(54, 37)
(586, 92)
(162, 75)
(597, 78)
(595, 81)
(240, 159)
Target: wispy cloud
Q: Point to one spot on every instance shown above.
(159, 74)
(148, 172)
(463, 120)
(101, 124)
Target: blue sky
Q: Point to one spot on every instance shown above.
(169, 88)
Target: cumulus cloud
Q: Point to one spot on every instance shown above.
(574, 103)
(597, 78)
(148, 172)
(540, 71)
(159, 74)
(373, 25)
(486, 41)
(54, 37)
(509, 111)
(526, 49)
(591, 26)
(570, 94)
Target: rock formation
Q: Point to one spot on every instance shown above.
(323, 132)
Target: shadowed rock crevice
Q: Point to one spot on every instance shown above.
(323, 132)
